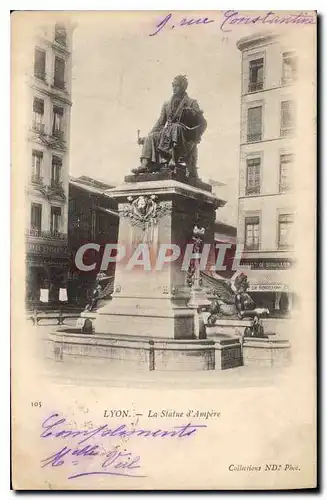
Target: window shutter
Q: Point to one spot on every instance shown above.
(254, 123)
(59, 72)
(287, 116)
(253, 176)
(39, 63)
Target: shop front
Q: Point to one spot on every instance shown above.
(273, 290)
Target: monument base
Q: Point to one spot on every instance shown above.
(150, 317)
(266, 352)
(144, 353)
(169, 175)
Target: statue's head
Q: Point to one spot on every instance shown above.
(180, 84)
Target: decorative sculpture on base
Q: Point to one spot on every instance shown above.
(172, 143)
(102, 290)
(198, 300)
(234, 300)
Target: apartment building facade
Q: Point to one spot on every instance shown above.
(265, 199)
(47, 161)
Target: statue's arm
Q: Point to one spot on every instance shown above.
(161, 121)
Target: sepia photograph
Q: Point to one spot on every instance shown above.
(163, 250)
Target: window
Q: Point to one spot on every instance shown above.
(57, 126)
(59, 73)
(55, 220)
(254, 132)
(287, 118)
(252, 237)
(56, 171)
(253, 176)
(36, 218)
(285, 231)
(38, 112)
(60, 34)
(256, 75)
(37, 157)
(285, 172)
(39, 63)
(289, 67)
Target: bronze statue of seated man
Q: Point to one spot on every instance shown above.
(172, 143)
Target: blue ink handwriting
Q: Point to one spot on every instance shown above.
(233, 17)
(52, 427)
(168, 22)
(115, 463)
(93, 458)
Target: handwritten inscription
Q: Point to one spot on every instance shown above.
(231, 18)
(113, 462)
(168, 22)
(90, 449)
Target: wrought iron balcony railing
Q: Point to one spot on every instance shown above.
(252, 190)
(58, 134)
(254, 137)
(47, 235)
(37, 179)
(56, 184)
(40, 75)
(255, 86)
(39, 127)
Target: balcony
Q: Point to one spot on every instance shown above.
(61, 40)
(252, 190)
(55, 184)
(41, 76)
(254, 137)
(39, 127)
(255, 86)
(37, 179)
(46, 235)
(58, 134)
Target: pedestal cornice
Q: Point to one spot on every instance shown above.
(164, 187)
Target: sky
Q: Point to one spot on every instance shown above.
(121, 77)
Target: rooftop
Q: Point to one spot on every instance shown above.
(90, 184)
(258, 39)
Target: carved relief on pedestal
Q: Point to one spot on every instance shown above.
(144, 211)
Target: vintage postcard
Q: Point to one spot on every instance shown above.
(163, 250)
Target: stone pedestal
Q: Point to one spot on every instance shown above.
(154, 302)
(266, 352)
(143, 353)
